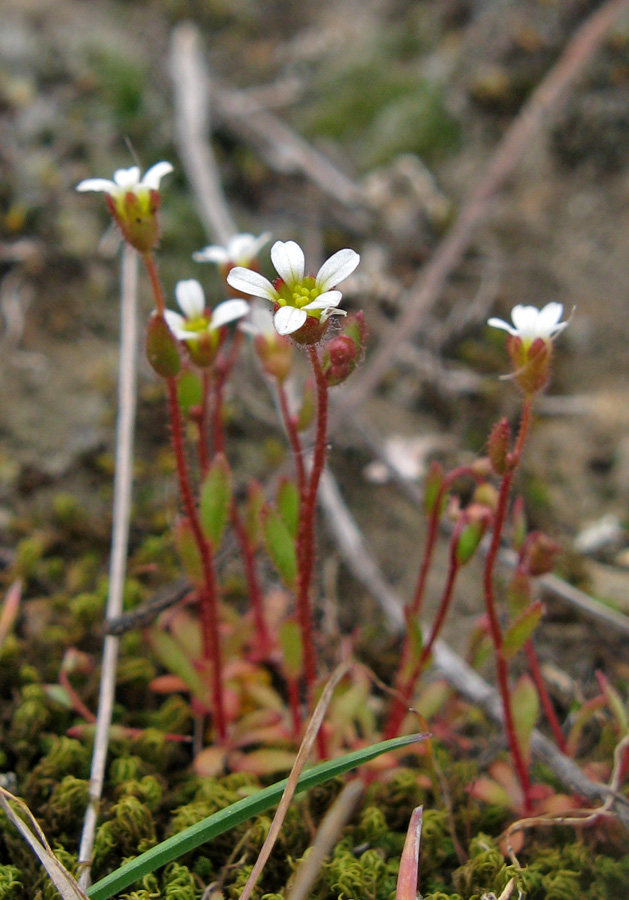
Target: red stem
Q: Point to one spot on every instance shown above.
(208, 596)
(293, 437)
(502, 671)
(401, 703)
(156, 286)
(204, 449)
(416, 604)
(305, 535)
(547, 704)
(263, 638)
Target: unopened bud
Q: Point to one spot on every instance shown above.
(162, 348)
(276, 355)
(477, 521)
(339, 360)
(486, 495)
(540, 553)
(499, 443)
(432, 486)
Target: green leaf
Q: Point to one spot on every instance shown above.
(521, 630)
(178, 661)
(292, 648)
(525, 708)
(216, 496)
(279, 545)
(189, 391)
(233, 815)
(288, 505)
(188, 551)
(306, 414)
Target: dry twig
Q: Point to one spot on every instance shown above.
(123, 479)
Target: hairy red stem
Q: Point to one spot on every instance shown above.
(547, 704)
(401, 703)
(293, 437)
(305, 535)
(502, 670)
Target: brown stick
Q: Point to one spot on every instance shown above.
(428, 286)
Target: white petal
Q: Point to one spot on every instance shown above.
(190, 298)
(155, 174)
(525, 320)
(260, 321)
(289, 319)
(228, 311)
(243, 252)
(548, 320)
(176, 323)
(331, 311)
(337, 268)
(211, 254)
(127, 178)
(289, 262)
(96, 184)
(500, 323)
(323, 301)
(250, 282)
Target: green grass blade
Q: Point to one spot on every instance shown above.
(233, 815)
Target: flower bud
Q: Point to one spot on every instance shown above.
(432, 486)
(339, 360)
(162, 348)
(476, 521)
(539, 554)
(275, 354)
(499, 443)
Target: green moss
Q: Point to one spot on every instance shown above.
(11, 885)
(65, 810)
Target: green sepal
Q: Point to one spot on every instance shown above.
(215, 501)
(189, 391)
(162, 347)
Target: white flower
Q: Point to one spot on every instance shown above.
(241, 250)
(194, 323)
(530, 323)
(298, 295)
(126, 180)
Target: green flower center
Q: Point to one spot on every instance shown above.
(197, 326)
(298, 295)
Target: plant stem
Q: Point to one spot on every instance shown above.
(398, 710)
(204, 450)
(305, 534)
(293, 437)
(208, 596)
(405, 689)
(547, 704)
(502, 671)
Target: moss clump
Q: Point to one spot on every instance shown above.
(11, 885)
(129, 831)
(369, 876)
(484, 871)
(65, 755)
(65, 810)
